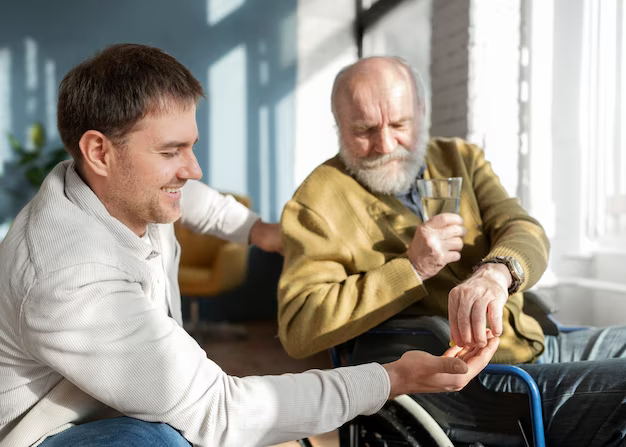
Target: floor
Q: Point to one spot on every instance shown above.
(261, 353)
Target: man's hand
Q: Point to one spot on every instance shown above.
(483, 294)
(420, 372)
(436, 243)
(266, 236)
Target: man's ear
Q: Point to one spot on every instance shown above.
(95, 148)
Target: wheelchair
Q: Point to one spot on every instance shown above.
(475, 416)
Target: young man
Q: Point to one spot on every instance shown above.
(358, 253)
(90, 318)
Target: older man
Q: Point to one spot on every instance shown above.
(358, 253)
(90, 321)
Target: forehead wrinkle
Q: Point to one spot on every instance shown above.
(370, 104)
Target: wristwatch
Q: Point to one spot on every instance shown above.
(515, 269)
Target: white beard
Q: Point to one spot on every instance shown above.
(390, 174)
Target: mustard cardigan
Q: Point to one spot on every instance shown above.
(346, 268)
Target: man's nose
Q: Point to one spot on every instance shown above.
(385, 141)
(191, 169)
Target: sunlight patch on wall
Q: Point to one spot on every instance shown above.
(217, 10)
(541, 204)
(264, 162)
(493, 122)
(288, 44)
(5, 104)
(31, 81)
(51, 99)
(228, 122)
(284, 126)
(30, 59)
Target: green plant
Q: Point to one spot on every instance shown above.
(35, 164)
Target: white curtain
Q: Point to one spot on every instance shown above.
(603, 118)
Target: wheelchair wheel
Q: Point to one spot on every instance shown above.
(392, 426)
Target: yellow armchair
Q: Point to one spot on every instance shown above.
(208, 267)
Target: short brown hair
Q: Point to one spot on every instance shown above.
(116, 88)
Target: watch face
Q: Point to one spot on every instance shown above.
(517, 266)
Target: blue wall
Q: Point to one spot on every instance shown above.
(243, 52)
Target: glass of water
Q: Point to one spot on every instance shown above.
(440, 195)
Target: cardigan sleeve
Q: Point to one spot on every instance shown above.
(511, 230)
(93, 325)
(324, 296)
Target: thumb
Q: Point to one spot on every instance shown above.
(452, 365)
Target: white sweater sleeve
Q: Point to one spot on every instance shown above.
(207, 211)
(113, 344)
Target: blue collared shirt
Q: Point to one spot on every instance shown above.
(411, 199)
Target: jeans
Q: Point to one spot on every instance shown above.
(581, 378)
(118, 432)
(582, 381)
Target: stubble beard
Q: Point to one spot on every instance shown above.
(141, 205)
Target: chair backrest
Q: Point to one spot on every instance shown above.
(200, 250)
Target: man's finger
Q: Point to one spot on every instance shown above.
(455, 244)
(463, 314)
(453, 351)
(452, 319)
(453, 231)
(495, 316)
(451, 256)
(445, 219)
(482, 357)
(479, 324)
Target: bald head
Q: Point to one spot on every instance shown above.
(382, 73)
(379, 108)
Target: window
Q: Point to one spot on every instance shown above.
(603, 118)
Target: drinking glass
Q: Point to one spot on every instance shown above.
(440, 195)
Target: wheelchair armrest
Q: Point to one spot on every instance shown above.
(419, 325)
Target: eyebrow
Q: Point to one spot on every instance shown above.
(366, 124)
(403, 119)
(175, 144)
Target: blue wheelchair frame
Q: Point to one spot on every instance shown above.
(536, 411)
(540, 311)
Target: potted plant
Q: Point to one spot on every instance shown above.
(32, 165)
(24, 174)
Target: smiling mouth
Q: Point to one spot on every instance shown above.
(171, 190)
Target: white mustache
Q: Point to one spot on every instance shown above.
(400, 153)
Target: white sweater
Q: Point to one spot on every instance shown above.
(80, 332)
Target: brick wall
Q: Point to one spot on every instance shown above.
(475, 78)
(449, 70)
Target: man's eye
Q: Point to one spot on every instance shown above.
(169, 154)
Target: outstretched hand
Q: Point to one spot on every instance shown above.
(420, 372)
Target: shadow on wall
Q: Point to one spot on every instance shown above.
(244, 53)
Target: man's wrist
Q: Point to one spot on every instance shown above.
(419, 277)
(514, 268)
(393, 379)
(256, 232)
(499, 272)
